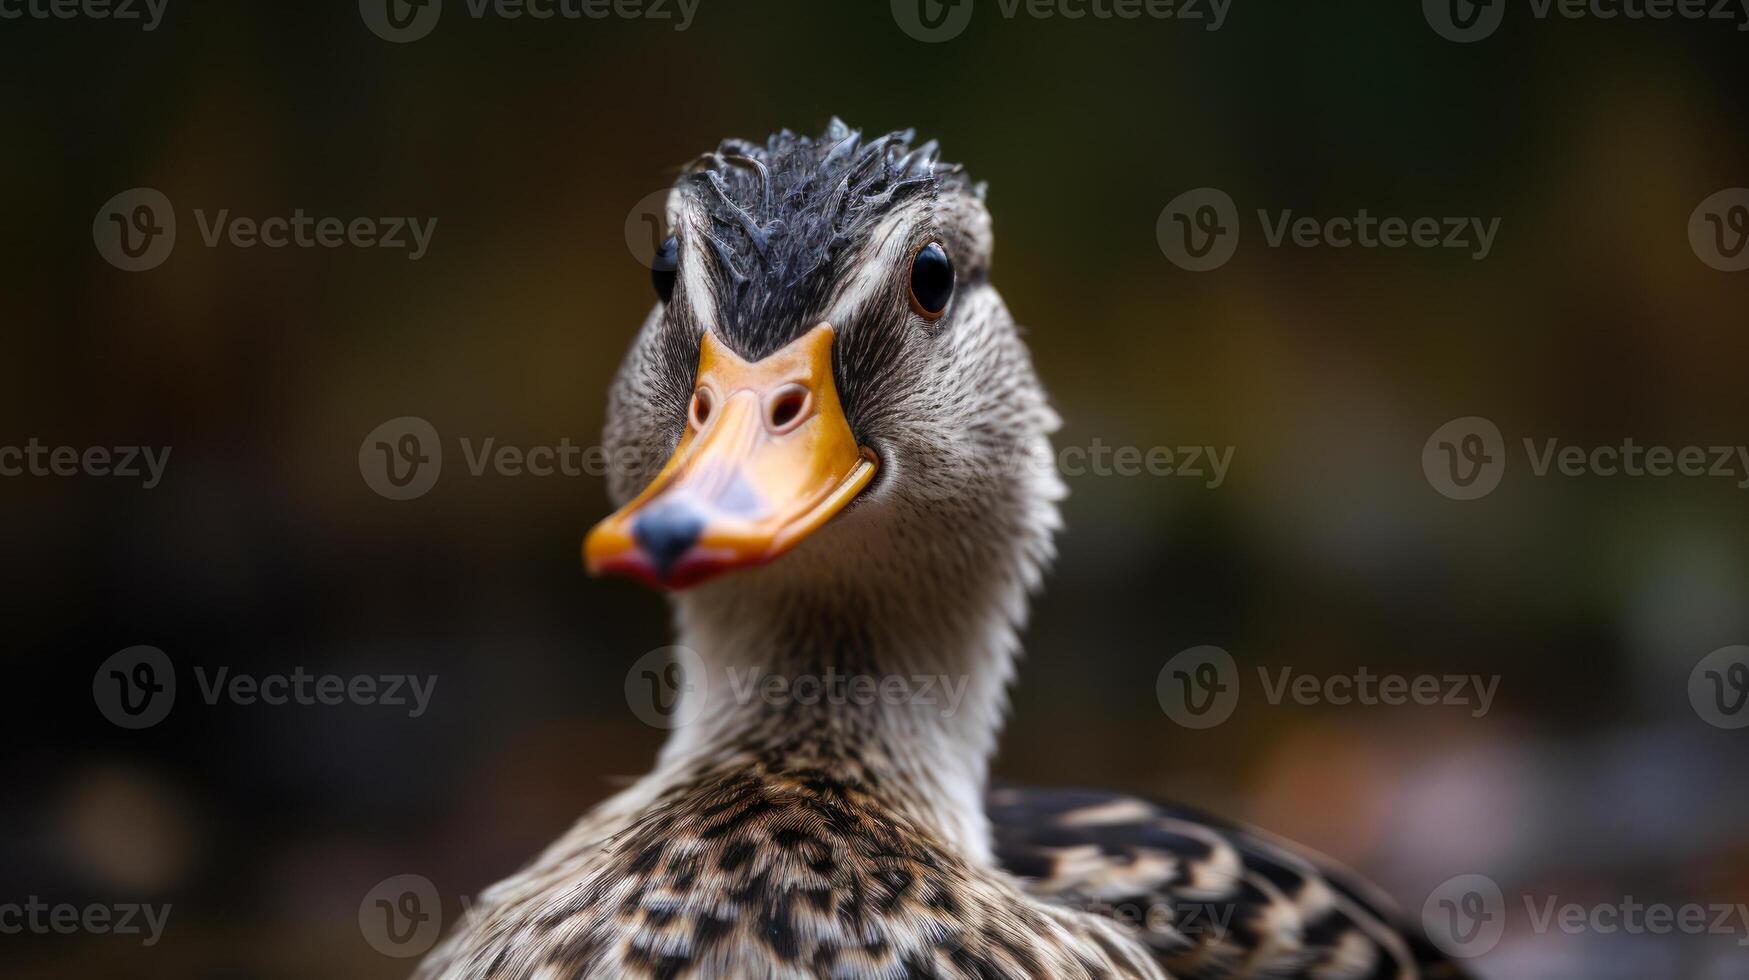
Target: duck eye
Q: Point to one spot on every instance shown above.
(663, 265)
(931, 281)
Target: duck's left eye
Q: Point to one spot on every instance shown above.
(931, 281)
(663, 265)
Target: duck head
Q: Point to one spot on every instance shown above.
(840, 396)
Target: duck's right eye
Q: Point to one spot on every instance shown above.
(663, 266)
(931, 281)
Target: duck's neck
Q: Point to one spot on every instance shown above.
(900, 691)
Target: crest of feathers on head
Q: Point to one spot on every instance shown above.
(781, 214)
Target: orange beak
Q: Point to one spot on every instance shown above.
(767, 458)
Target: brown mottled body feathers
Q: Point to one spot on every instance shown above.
(752, 868)
(1213, 900)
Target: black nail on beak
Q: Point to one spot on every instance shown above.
(666, 532)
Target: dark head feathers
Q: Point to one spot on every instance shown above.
(783, 213)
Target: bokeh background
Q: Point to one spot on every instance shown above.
(1592, 779)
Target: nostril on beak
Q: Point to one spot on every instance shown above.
(666, 532)
(785, 408)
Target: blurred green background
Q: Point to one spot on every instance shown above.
(531, 142)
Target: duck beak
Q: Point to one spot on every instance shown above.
(767, 458)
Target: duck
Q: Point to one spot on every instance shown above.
(843, 426)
